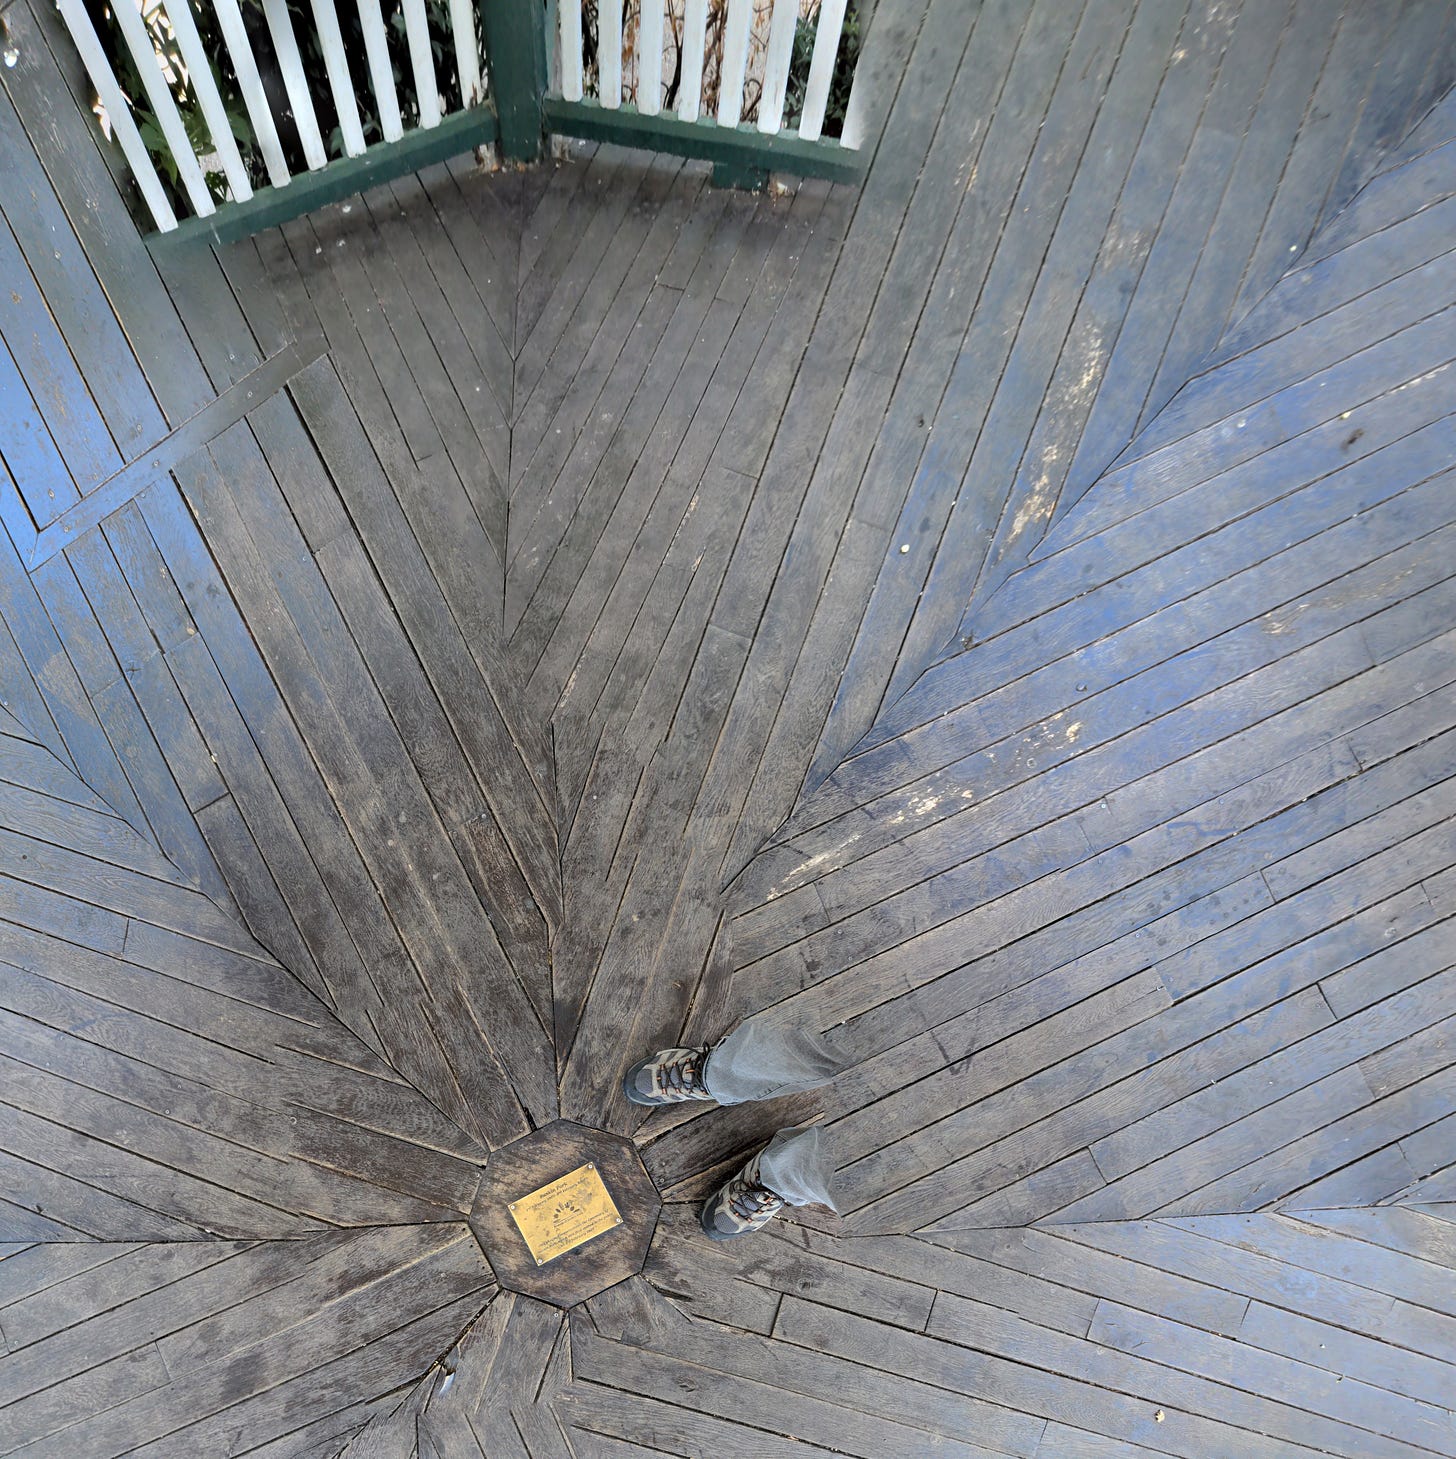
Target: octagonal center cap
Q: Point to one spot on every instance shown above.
(565, 1213)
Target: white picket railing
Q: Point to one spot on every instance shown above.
(749, 68)
(286, 62)
(335, 87)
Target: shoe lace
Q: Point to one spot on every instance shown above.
(683, 1073)
(748, 1200)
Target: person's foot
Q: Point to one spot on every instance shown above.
(741, 1205)
(670, 1076)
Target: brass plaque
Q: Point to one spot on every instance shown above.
(563, 1215)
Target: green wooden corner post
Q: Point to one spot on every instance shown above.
(515, 45)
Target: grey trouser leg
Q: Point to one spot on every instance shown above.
(795, 1166)
(760, 1060)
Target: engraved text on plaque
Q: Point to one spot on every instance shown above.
(561, 1216)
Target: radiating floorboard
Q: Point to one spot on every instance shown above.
(997, 614)
(1106, 315)
(263, 1343)
(964, 833)
(141, 1022)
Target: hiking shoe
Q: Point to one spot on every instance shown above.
(742, 1205)
(670, 1076)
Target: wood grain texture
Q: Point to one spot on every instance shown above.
(998, 616)
(520, 1170)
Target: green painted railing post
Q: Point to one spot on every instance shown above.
(515, 42)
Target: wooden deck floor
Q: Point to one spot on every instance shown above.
(1000, 616)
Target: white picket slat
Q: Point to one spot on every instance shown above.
(565, 24)
(467, 52)
(164, 108)
(821, 69)
(857, 107)
(381, 73)
(260, 114)
(609, 53)
(571, 87)
(776, 65)
(695, 30)
(199, 73)
(285, 47)
(649, 58)
(735, 62)
(123, 128)
(422, 62)
(341, 84)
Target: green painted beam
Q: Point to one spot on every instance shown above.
(741, 152)
(269, 206)
(515, 50)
